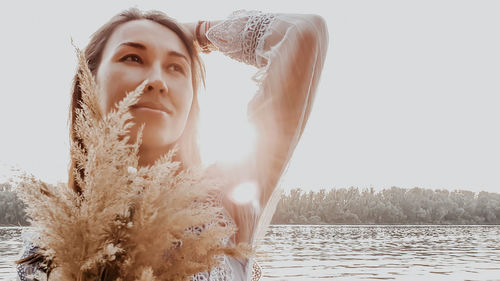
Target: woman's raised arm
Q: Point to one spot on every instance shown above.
(289, 51)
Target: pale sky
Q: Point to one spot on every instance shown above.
(409, 95)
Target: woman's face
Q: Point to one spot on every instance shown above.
(145, 50)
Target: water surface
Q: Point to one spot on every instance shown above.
(355, 253)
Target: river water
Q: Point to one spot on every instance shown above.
(319, 252)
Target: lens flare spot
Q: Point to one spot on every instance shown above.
(245, 193)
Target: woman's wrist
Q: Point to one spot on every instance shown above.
(201, 35)
(199, 31)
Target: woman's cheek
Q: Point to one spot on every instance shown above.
(186, 97)
(119, 85)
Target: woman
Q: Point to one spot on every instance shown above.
(289, 52)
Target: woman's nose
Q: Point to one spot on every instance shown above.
(156, 86)
(156, 81)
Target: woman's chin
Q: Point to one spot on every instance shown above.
(151, 136)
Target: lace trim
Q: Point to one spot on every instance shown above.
(241, 35)
(256, 272)
(255, 29)
(222, 272)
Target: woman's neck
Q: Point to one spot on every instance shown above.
(149, 155)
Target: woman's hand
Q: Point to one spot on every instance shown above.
(198, 31)
(191, 28)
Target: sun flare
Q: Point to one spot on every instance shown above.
(245, 193)
(226, 135)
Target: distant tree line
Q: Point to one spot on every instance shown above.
(388, 206)
(349, 206)
(11, 207)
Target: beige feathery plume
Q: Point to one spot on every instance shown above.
(129, 222)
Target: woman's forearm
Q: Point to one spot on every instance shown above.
(289, 50)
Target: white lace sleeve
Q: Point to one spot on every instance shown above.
(289, 51)
(241, 35)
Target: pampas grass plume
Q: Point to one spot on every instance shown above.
(129, 222)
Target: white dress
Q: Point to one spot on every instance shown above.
(289, 51)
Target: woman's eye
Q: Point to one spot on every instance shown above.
(131, 58)
(176, 67)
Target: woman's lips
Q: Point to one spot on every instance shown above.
(152, 107)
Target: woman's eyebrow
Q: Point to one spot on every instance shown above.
(134, 45)
(177, 54)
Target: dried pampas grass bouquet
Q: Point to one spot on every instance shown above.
(129, 222)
